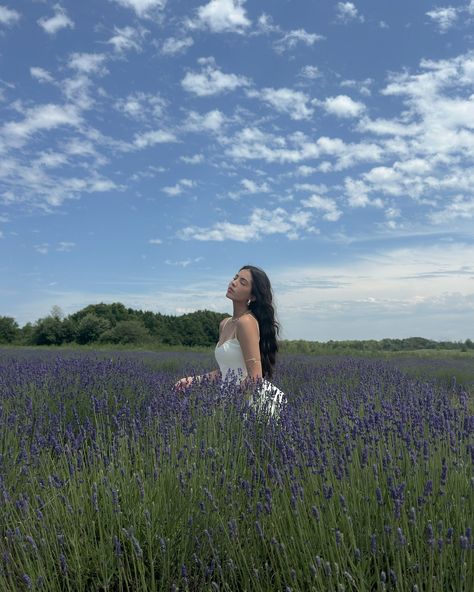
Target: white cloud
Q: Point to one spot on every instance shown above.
(179, 188)
(143, 8)
(8, 16)
(252, 187)
(254, 144)
(43, 248)
(362, 86)
(428, 149)
(413, 291)
(59, 21)
(174, 45)
(311, 187)
(222, 16)
(343, 106)
(390, 127)
(285, 100)
(88, 63)
(127, 38)
(291, 39)
(184, 263)
(251, 143)
(326, 204)
(261, 223)
(209, 122)
(211, 81)
(460, 207)
(305, 170)
(194, 159)
(141, 106)
(155, 241)
(51, 160)
(347, 11)
(65, 246)
(40, 118)
(147, 139)
(41, 75)
(444, 18)
(265, 24)
(310, 72)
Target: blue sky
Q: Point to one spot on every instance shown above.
(149, 148)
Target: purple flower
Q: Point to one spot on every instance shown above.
(63, 564)
(27, 580)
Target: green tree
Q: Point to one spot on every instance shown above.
(9, 329)
(90, 328)
(48, 331)
(126, 332)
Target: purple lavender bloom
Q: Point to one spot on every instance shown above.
(428, 488)
(373, 543)
(118, 549)
(378, 495)
(63, 564)
(27, 581)
(95, 503)
(232, 524)
(259, 529)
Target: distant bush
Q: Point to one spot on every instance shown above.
(9, 330)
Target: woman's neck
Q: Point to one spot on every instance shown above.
(239, 310)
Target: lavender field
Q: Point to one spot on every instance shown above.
(109, 481)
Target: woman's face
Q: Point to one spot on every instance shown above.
(240, 287)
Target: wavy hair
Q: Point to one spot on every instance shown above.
(264, 311)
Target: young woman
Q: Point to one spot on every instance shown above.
(247, 344)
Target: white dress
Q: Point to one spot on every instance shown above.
(230, 359)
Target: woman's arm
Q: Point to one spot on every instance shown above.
(248, 334)
(186, 382)
(213, 376)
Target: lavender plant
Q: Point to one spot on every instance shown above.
(110, 481)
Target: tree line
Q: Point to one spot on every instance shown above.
(117, 324)
(114, 324)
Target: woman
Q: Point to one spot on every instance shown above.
(248, 340)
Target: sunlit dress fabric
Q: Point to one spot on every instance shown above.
(230, 359)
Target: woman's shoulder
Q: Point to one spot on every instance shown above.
(248, 322)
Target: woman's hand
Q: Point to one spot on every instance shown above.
(182, 385)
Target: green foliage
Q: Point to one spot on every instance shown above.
(372, 346)
(114, 312)
(128, 332)
(98, 322)
(90, 328)
(48, 331)
(9, 329)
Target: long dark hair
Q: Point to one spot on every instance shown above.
(264, 311)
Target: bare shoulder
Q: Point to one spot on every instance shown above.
(247, 324)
